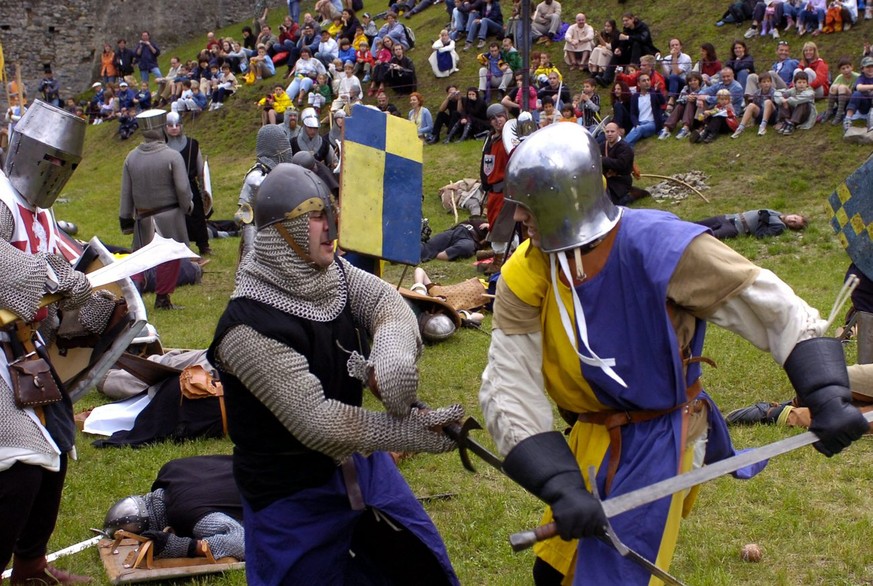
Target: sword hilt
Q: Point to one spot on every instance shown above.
(526, 539)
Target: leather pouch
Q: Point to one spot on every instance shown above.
(32, 382)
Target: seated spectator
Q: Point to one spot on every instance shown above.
(309, 39)
(289, 34)
(514, 98)
(127, 123)
(473, 116)
(578, 43)
(385, 106)
(541, 67)
(369, 26)
(840, 92)
(321, 92)
(494, 71)
(350, 26)
(545, 21)
(720, 119)
(741, 62)
(420, 116)
(601, 54)
(461, 11)
(620, 100)
(447, 114)
(109, 106)
(781, 72)
(335, 27)
(709, 66)
(192, 99)
(384, 54)
(443, 58)
(820, 83)
(364, 61)
(586, 106)
(796, 105)
(760, 110)
(737, 12)
(556, 91)
(166, 84)
(348, 85)
(401, 72)
(548, 113)
(683, 109)
(266, 37)
(304, 73)
(227, 85)
(488, 20)
(510, 54)
(675, 67)
(237, 57)
(261, 64)
(568, 114)
(617, 164)
(273, 106)
(634, 41)
(346, 52)
(327, 10)
(707, 97)
(462, 240)
(812, 17)
(142, 100)
(757, 223)
(125, 95)
(767, 17)
(328, 49)
(393, 30)
(646, 111)
(648, 65)
(840, 16)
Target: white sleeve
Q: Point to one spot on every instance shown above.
(511, 396)
(770, 315)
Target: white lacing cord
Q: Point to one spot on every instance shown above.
(844, 295)
(604, 364)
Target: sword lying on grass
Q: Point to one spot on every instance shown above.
(648, 494)
(75, 548)
(159, 250)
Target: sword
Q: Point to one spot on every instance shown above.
(159, 250)
(75, 548)
(653, 492)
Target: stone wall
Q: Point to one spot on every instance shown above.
(69, 34)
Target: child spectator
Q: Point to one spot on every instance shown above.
(796, 105)
(127, 123)
(364, 61)
(273, 106)
(541, 68)
(684, 108)
(568, 114)
(261, 64)
(382, 60)
(192, 99)
(227, 85)
(769, 24)
(347, 84)
(109, 106)
(125, 96)
(548, 115)
(841, 92)
(587, 105)
(346, 53)
(859, 103)
(761, 109)
(717, 120)
(513, 100)
(142, 100)
(321, 92)
(360, 37)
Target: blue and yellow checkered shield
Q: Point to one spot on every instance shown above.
(851, 208)
(381, 188)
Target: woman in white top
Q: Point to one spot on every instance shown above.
(444, 59)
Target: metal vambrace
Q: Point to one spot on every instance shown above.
(544, 465)
(817, 370)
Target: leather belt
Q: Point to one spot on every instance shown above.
(745, 224)
(148, 212)
(614, 420)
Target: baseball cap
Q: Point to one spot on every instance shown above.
(866, 61)
(122, 84)
(96, 84)
(309, 118)
(367, 14)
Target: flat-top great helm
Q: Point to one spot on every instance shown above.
(44, 150)
(556, 174)
(290, 191)
(129, 514)
(152, 124)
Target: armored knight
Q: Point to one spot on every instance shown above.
(156, 197)
(569, 310)
(293, 354)
(189, 148)
(198, 499)
(272, 147)
(35, 438)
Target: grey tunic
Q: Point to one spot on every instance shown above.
(154, 176)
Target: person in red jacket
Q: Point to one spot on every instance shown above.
(820, 83)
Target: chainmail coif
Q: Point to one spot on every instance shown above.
(274, 275)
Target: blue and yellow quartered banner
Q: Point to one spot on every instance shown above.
(851, 208)
(381, 186)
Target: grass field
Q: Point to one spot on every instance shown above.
(812, 516)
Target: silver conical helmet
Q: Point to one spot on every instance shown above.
(556, 174)
(129, 514)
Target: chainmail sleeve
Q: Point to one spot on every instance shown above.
(280, 378)
(379, 308)
(24, 275)
(225, 535)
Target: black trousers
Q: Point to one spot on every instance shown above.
(30, 497)
(446, 119)
(196, 223)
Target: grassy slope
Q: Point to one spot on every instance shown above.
(811, 515)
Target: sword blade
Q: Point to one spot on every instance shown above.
(653, 492)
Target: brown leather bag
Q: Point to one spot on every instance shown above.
(33, 384)
(196, 382)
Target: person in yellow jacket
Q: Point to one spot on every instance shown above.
(273, 106)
